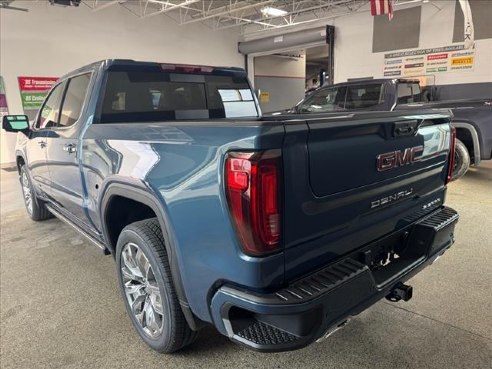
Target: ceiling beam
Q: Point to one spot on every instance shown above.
(283, 20)
(227, 10)
(166, 6)
(329, 15)
(249, 21)
(107, 4)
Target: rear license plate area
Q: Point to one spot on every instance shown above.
(390, 256)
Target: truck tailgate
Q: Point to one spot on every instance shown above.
(350, 179)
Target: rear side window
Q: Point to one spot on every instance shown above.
(145, 96)
(364, 96)
(409, 93)
(50, 111)
(74, 99)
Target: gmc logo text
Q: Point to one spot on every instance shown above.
(398, 158)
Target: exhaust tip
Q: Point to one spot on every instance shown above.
(332, 330)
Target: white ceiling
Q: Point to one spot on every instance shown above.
(246, 15)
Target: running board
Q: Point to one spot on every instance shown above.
(67, 221)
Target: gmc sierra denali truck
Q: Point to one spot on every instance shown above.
(274, 231)
(472, 118)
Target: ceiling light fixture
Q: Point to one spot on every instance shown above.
(273, 12)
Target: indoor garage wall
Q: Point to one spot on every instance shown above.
(353, 45)
(354, 57)
(281, 80)
(51, 41)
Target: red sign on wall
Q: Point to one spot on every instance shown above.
(437, 56)
(36, 83)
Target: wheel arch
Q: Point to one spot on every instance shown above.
(470, 129)
(139, 192)
(19, 160)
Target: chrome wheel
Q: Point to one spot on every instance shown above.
(26, 190)
(141, 290)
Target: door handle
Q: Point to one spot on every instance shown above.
(42, 144)
(70, 148)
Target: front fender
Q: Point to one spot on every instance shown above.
(19, 155)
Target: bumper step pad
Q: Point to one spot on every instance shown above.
(320, 282)
(436, 230)
(263, 334)
(441, 219)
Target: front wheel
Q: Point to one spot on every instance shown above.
(35, 207)
(148, 291)
(461, 160)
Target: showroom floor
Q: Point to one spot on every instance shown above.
(61, 308)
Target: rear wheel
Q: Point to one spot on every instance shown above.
(35, 207)
(461, 160)
(146, 285)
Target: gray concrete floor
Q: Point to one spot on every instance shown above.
(61, 308)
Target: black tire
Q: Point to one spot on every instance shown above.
(461, 160)
(37, 211)
(176, 333)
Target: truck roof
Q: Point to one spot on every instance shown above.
(366, 81)
(106, 63)
(377, 80)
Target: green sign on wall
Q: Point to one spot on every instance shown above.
(32, 100)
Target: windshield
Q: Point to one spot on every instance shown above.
(145, 96)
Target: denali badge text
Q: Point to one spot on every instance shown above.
(398, 158)
(391, 198)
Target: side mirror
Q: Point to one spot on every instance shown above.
(15, 123)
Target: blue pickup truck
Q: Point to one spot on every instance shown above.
(275, 231)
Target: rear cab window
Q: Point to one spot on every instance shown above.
(156, 93)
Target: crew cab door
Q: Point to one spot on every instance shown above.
(36, 146)
(62, 153)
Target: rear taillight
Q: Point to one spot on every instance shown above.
(252, 186)
(452, 153)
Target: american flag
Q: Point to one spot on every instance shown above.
(380, 7)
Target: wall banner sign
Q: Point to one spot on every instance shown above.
(428, 61)
(33, 90)
(4, 109)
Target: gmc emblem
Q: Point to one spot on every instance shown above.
(398, 158)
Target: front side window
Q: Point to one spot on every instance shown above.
(74, 99)
(50, 111)
(364, 96)
(325, 100)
